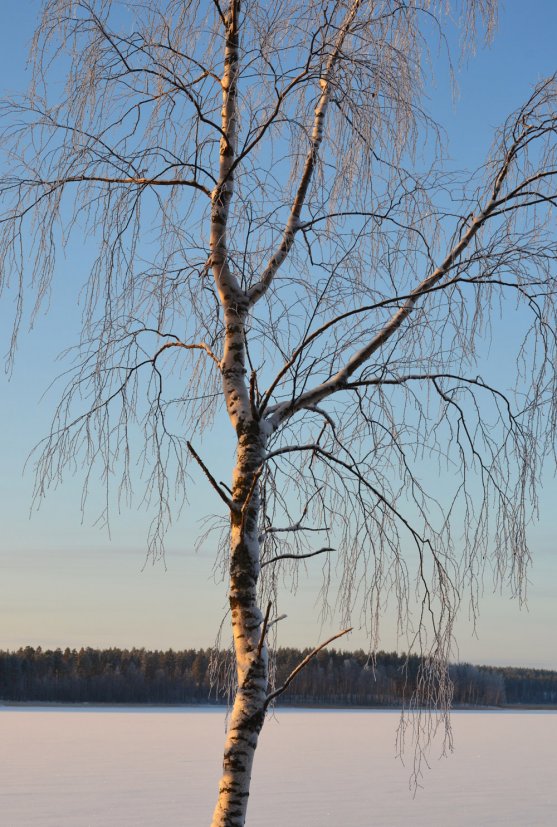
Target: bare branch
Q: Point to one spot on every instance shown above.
(295, 556)
(293, 223)
(301, 665)
(361, 357)
(231, 505)
(198, 346)
(264, 629)
(143, 182)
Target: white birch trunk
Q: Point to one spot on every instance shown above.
(248, 710)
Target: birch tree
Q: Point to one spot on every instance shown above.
(274, 234)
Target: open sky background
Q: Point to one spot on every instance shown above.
(66, 582)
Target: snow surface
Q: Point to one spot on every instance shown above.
(72, 767)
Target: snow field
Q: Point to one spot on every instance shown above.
(83, 767)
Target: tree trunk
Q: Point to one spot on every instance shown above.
(248, 711)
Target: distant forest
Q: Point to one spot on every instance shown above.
(332, 678)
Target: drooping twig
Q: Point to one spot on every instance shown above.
(301, 665)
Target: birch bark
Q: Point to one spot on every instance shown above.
(248, 710)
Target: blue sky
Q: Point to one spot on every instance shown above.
(65, 581)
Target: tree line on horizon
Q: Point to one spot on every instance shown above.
(332, 678)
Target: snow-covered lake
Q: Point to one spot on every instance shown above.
(72, 767)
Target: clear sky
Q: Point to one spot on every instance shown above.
(67, 582)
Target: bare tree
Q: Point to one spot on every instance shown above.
(269, 238)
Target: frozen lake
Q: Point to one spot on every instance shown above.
(72, 767)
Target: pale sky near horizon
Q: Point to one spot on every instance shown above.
(65, 582)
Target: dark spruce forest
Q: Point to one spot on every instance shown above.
(332, 678)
